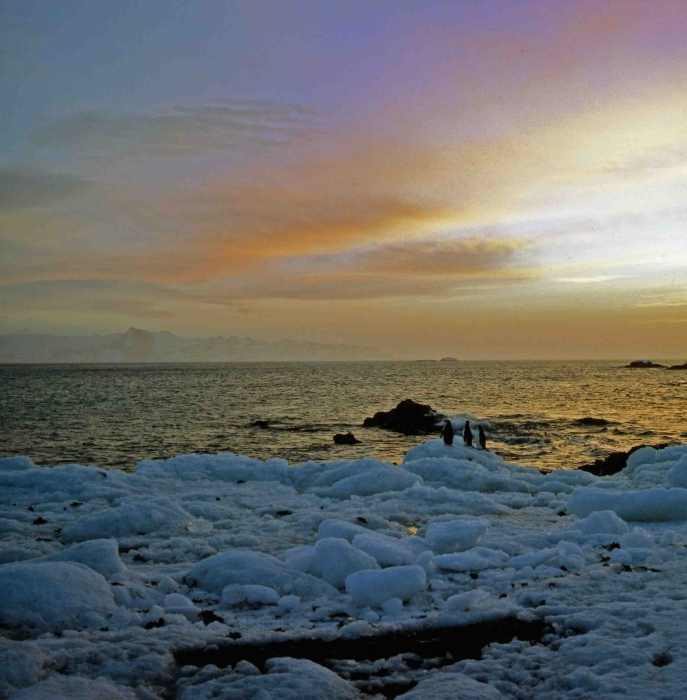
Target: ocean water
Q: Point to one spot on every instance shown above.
(115, 415)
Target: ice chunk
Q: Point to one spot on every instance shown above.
(289, 603)
(621, 556)
(644, 455)
(393, 606)
(378, 478)
(375, 587)
(136, 517)
(451, 686)
(387, 551)
(649, 505)
(241, 567)
(637, 539)
(668, 454)
(9, 526)
(602, 522)
(677, 474)
(286, 679)
(74, 688)
(331, 559)
(100, 555)
(16, 464)
(340, 528)
(52, 596)
(175, 603)
(468, 600)
(474, 559)
(225, 466)
(21, 664)
(252, 594)
(455, 535)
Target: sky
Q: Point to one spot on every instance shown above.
(499, 179)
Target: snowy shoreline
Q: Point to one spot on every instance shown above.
(110, 580)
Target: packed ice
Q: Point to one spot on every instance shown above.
(108, 579)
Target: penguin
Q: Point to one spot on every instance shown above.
(447, 433)
(467, 434)
(481, 438)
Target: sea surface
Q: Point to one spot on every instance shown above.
(113, 416)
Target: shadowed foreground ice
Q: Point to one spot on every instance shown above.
(108, 579)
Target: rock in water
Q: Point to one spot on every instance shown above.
(408, 417)
(347, 439)
(643, 364)
(615, 462)
(588, 420)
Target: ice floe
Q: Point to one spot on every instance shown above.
(107, 579)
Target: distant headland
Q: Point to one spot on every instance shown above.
(138, 345)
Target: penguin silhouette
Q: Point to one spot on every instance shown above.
(467, 434)
(447, 433)
(481, 438)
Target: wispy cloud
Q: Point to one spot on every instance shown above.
(25, 187)
(180, 132)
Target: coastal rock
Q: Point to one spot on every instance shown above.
(678, 366)
(409, 418)
(614, 462)
(346, 439)
(643, 364)
(260, 424)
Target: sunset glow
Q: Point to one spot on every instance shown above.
(481, 180)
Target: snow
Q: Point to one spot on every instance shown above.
(105, 575)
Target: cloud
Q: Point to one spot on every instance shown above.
(458, 257)
(426, 268)
(25, 187)
(182, 131)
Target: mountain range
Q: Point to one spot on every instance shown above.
(145, 346)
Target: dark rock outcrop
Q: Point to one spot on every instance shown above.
(644, 364)
(615, 462)
(408, 417)
(678, 366)
(588, 420)
(346, 439)
(260, 424)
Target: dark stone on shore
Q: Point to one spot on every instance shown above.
(615, 462)
(347, 439)
(463, 642)
(260, 424)
(678, 366)
(638, 364)
(408, 417)
(588, 420)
